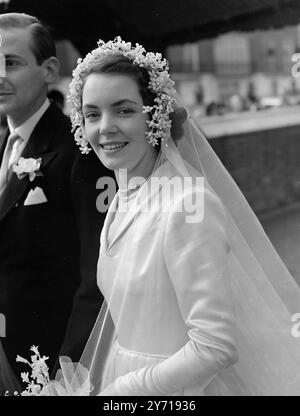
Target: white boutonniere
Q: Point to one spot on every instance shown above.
(28, 167)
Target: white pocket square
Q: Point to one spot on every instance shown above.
(35, 196)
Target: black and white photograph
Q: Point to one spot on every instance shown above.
(149, 200)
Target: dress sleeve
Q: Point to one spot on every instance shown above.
(196, 255)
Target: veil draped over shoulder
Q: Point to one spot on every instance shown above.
(264, 294)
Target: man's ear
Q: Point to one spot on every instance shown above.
(51, 68)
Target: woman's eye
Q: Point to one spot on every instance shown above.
(11, 63)
(125, 111)
(90, 116)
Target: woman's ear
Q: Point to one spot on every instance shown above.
(51, 68)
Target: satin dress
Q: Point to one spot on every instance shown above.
(165, 277)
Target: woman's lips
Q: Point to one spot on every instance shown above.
(113, 147)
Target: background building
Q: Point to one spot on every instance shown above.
(253, 65)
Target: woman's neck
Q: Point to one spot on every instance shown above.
(126, 182)
(131, 178)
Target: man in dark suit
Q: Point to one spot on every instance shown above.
(49, 224)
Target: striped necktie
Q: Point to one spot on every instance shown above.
(4, 169)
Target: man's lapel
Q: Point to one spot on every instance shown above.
(3, 139)
(39, 145)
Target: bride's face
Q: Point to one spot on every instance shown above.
(115, 124)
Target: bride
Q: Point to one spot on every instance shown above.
(197, 300)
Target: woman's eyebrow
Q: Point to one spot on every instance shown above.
(14, 56)
(124, 101)
(87, 106)
(114, 104)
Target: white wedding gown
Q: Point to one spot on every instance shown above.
(191, 316)
(167, 285)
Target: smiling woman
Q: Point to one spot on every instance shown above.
(114, 124)
(197, 300)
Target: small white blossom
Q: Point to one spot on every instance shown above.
(147, 109)
(25, 377)
(22, 360)
(35, 349)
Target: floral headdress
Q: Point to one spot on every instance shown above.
(160, 84)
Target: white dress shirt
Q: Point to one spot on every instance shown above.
(25, 130)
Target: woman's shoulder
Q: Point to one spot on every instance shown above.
(197, 213)
(187, 198)
(195, 192)
(189, 186)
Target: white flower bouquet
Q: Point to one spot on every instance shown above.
(71, 380)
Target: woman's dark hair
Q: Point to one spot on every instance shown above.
(119, 64)
(42, 45)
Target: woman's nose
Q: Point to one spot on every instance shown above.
(107, 125)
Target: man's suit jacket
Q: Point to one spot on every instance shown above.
(48, 248)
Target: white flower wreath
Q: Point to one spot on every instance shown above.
(160, 84)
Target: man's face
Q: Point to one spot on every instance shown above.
(24, 88)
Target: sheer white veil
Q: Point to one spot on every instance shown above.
(265, 295)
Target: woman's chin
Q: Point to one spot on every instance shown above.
(111, 164)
